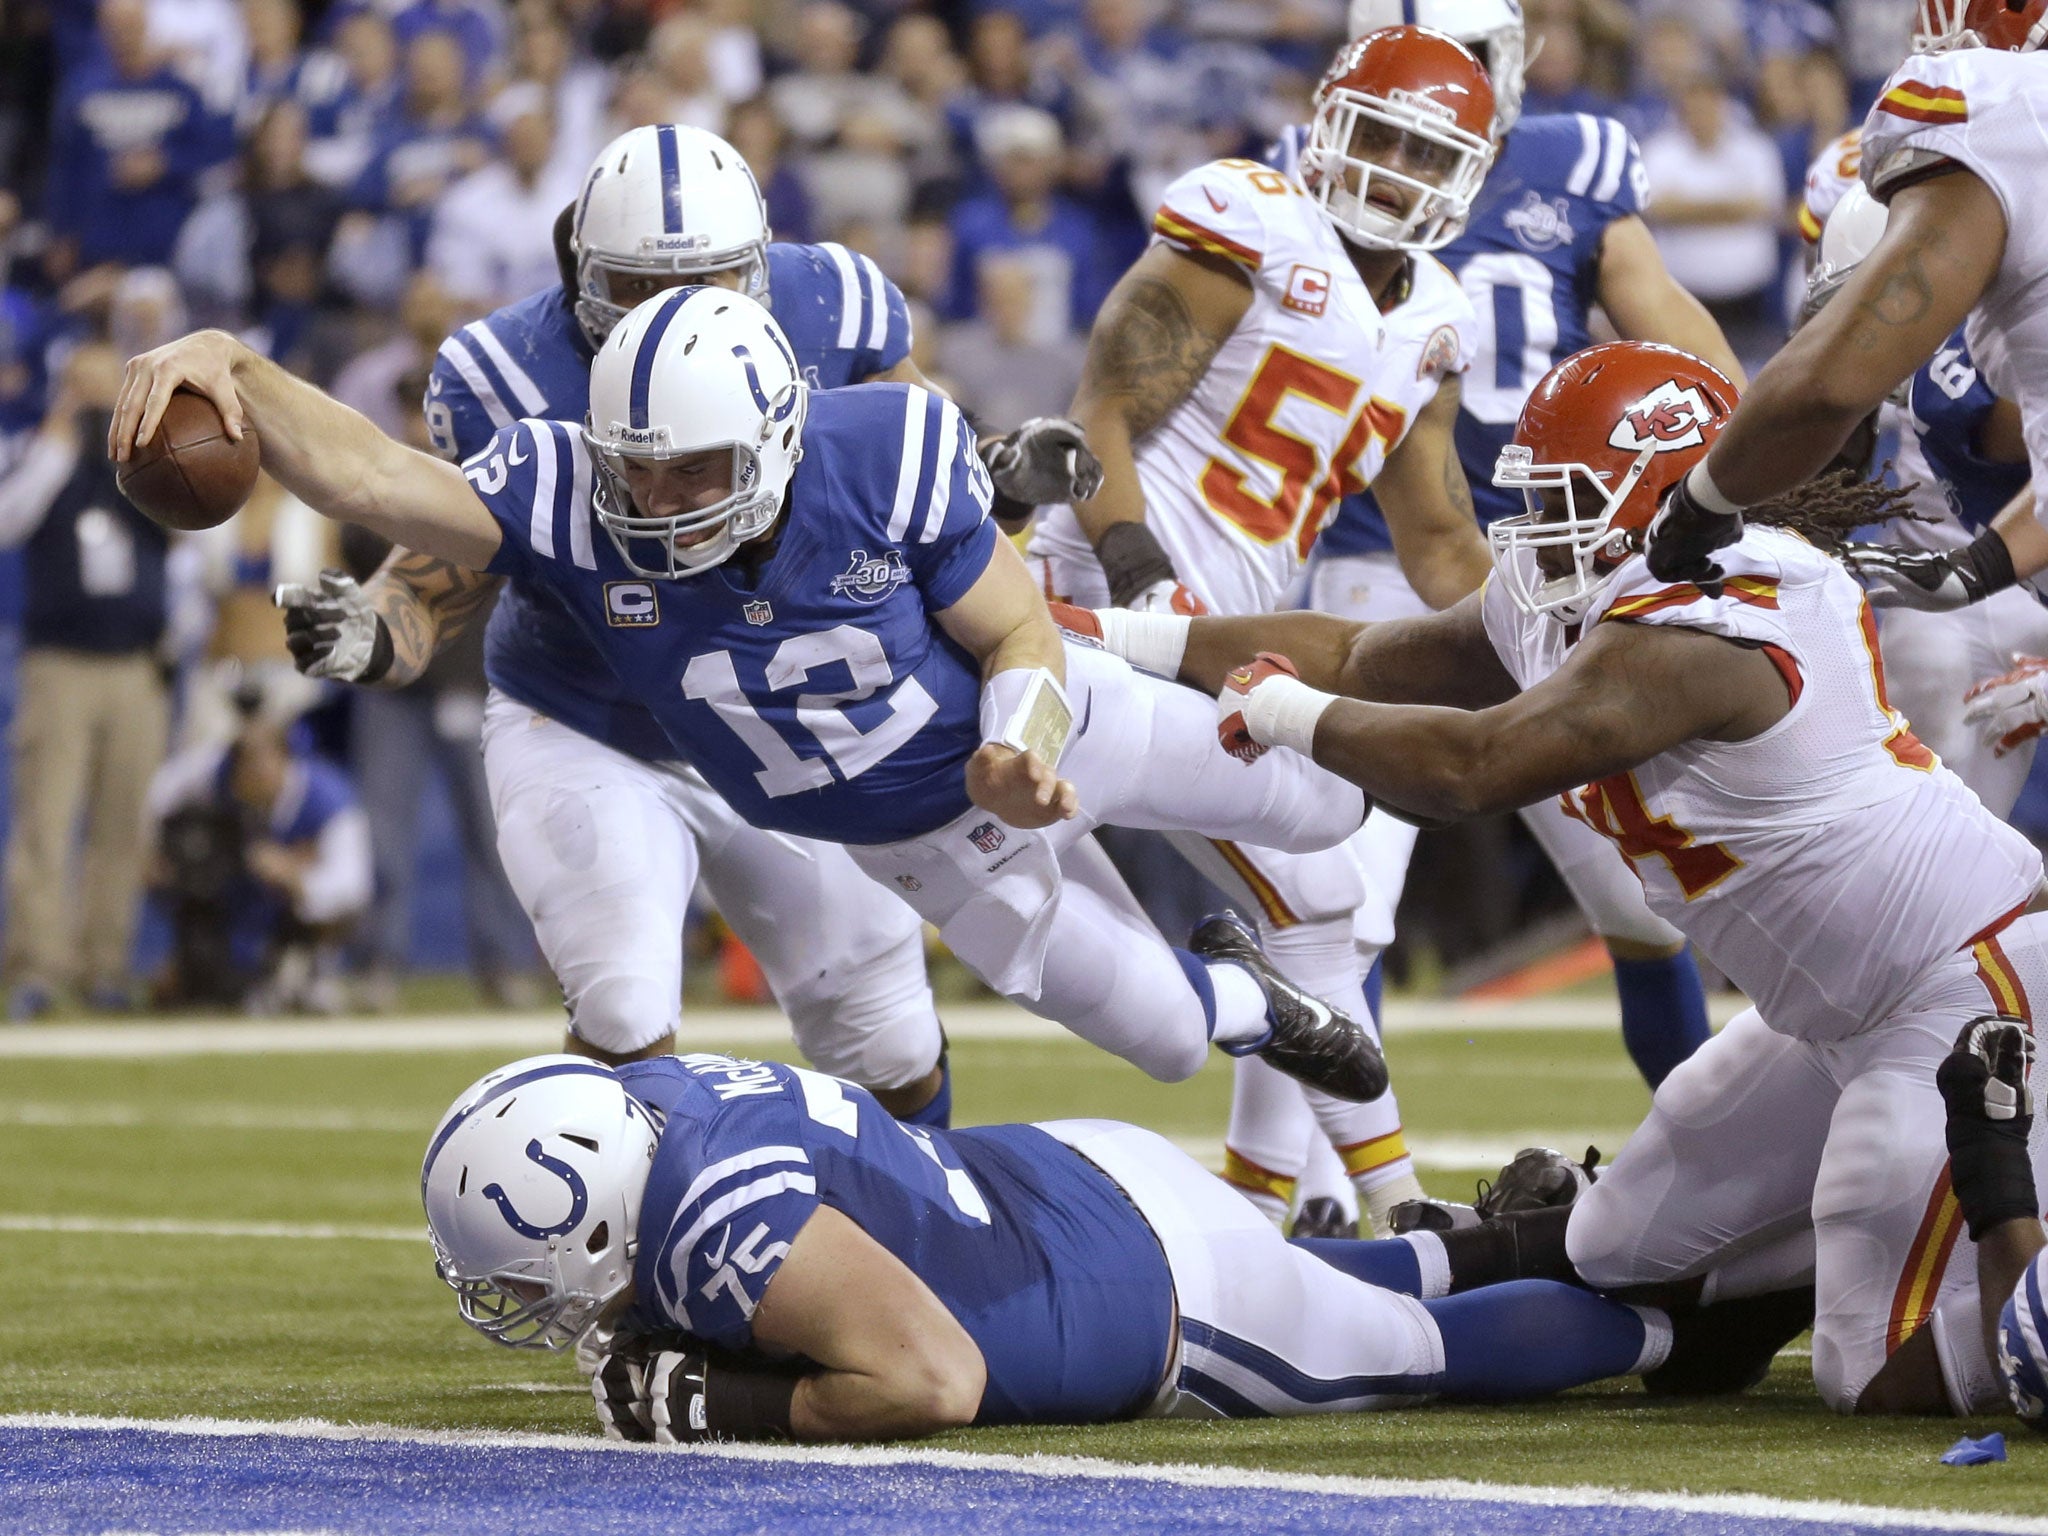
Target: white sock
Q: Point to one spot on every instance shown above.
(1380, 1199)
(1656, 1340)
(1433, 1259)
(1240, 1005)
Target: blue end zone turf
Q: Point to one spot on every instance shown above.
(66, 1480)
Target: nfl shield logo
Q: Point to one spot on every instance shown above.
(758, 613)
(988, 837)
(910, 882)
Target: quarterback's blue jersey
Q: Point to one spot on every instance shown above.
(1041, 1258)
(822, 699)
(845, 321)
(1529, 261)
(1947, 401)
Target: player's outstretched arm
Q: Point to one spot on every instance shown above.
(1627, 693)
(1941, 248)
(1422, 491)
(425, 602)
(1646, 303)
(893, 1362)
(1003, 623)
(327, 455)
(1156, 336)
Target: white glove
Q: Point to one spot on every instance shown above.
(1045, 460)
(332, 631)
(2011, 710)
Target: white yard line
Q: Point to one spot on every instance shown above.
(1740, 1506)
(162, 1226)
(702, 1028)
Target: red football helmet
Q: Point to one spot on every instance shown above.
(2011, 26)
(1617, 424)
(1401, 139)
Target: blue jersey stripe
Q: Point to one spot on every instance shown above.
(643, 362)
(566, 506)
(671, 180)
(928, 463)
(1294, 1382)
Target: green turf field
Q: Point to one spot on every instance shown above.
(321, 1305)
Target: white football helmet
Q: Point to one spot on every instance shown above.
(1492, 29)
(1851, 233)
(662, 202)
(691, 371)
(532, 1184)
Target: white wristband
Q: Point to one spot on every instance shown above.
(1283, 711)
(1707, 494)
(1026, 709)
(1152, 642)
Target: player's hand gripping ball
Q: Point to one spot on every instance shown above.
(191, 474)
(1231, 704)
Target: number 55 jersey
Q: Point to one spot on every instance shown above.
(1299, 407)
(1825, 864)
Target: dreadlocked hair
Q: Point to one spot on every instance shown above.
(1825, 510)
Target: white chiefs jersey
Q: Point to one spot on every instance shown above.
(1988, 111)
(1826, 863)
(1299, 408)
(1833, 172)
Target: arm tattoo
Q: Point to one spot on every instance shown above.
(425, 603)
(1904, 299)
(1147, 353)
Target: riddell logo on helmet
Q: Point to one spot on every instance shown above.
(1665, 420)
(639, 437)
(1420, 103)
(663, 245)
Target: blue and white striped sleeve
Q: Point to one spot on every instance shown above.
(1609, 168)
(729, 1235)
(939, 515)
(477, 388)
(874, 319)
(535, 479)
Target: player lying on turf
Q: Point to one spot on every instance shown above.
(779, 1258)
(1739, 750)
(808, 593)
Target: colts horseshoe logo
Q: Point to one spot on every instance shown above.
(579, 1196)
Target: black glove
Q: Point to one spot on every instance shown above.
(332, 631)
(1929, 581)
(1045, 460)
(693, 1393)
(1984, 1083)
(1683, 537)
(618, 1385)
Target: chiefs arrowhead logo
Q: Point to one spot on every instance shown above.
(1668, 418)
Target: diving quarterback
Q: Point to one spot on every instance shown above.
(809, 594)
(1282, 344)
(780, 1259)
(1953, 147)
(1737, 746)
(602, 831)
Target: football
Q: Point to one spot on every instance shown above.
(191, 475)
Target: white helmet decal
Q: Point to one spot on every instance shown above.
(1665, 420)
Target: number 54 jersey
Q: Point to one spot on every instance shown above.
(1825, 864)
(1299, 407)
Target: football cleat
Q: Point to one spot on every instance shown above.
(1431, 1216)
(1321, 1216)
(1308, 1040)
(1537, 1178)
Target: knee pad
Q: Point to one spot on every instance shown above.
(621, 1014)
(1841, 1371)
(879, 1028)
(1597, 1241)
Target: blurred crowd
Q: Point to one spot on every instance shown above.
(344, 182)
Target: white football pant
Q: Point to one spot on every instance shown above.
(603, 851)
(1044, 918)
(1765, 1159)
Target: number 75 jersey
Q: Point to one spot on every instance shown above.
(1300, 405)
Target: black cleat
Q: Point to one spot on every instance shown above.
(1322, 1216)
(1309, 1041)
(1537, 1179)
(1728, 1348)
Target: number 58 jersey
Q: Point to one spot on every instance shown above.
(1825, 863)
(1299, 407)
